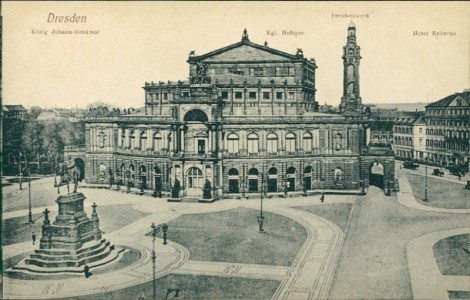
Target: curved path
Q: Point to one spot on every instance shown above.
(309, 277)
(427, 282)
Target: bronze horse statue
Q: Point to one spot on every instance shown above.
(69, 173)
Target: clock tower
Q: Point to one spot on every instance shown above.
(351, 101)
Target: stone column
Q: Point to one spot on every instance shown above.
(150, 133)
(119, 137)
(126, 140)
(137, 138)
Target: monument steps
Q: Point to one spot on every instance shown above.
(32, 269)
(70, 263)
(53, 256)
(70, 242)
(90, 245)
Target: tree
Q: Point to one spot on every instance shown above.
(32, 141)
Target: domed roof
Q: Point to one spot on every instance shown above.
(352, 25)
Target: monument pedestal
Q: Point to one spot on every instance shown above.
(71, 241)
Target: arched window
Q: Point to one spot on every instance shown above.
(252, 143)
(157, 142)
(131, 172)
(131, 139)
(195, 178)
(308, 170)
(232, 143)
(195, 115)
(272, 142)
(307, 141)
(233, 172)
(290, 142)
(143, 141)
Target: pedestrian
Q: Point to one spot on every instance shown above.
(460, 175)
(33, 236)
(322, 198)
(86, 270)
(141, 297)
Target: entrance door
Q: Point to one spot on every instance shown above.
(252, 185)
(201, 147)
(291, 184)
(291, 179)
(233, 185)
(272, 185)
(376, 175)
(308, 183)
(194, 182)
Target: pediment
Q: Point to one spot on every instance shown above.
(246, 53)
(458, 100)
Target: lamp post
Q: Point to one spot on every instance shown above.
(261, 217)
(426, 181)
(30, 214)
(155, 231)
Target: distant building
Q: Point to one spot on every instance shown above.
(14, 111)
(448, 131)
(49, 115)
(409, 135)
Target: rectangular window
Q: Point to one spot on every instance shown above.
(238, 95)
(420, 130)
(266, 95)
(269, 72)
(291, 95)
(282, 71)
(185, 94)
(224, 95)
(252, 95)
(258, 71)
(279, 95)
(165, 96)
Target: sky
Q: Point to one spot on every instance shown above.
(150, 41)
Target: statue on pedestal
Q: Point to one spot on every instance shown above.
(69, 172)
(175, 191)
(207, 190)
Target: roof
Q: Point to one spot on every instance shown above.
(420, 121)
(381, 125)
(445, 102)
(13, 108)
(245, 50)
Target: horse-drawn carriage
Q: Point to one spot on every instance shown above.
(438, 172)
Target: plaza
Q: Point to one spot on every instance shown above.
(349, 247)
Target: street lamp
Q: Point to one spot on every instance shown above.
(30, 214)
(261, 217)
(426, 181)
(155, 231)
